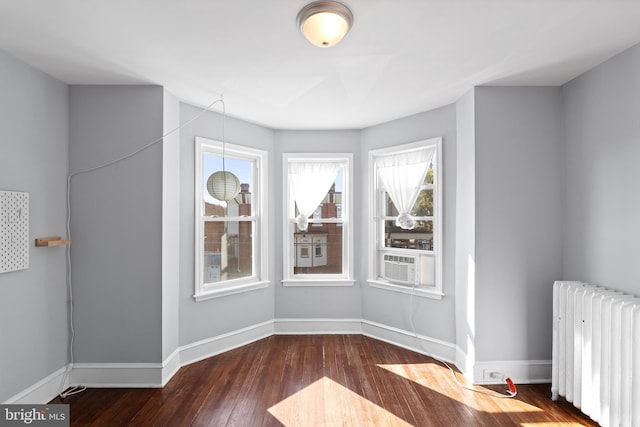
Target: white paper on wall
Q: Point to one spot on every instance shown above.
(14, 231)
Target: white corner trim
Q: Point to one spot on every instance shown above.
(520, 371)
(170, 367)
(415, 342)
(41, 392)
(203, 349)
(463, 363)
(317, 326)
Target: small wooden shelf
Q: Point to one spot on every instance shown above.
(52, 241)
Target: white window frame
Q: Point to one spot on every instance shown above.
(376, 211)
(346, 278)
(260, 273)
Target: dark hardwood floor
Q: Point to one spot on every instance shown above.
(318, 380)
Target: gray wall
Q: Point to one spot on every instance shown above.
(518, 205)
(317, 302)
(210, 318)
(116, 223)
(33, 158)
(602, 113)
(433, 318)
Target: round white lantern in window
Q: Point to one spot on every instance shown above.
(223, 185)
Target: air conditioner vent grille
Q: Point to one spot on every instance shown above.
(399, 268)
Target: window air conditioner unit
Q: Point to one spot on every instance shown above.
(400, 269)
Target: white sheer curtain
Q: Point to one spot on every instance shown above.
(402, 175)
(310, 182)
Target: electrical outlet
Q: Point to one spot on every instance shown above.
(491, 375)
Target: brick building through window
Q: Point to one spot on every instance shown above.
(319, 249)
(228, 244)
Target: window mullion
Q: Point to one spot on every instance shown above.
(228, 218)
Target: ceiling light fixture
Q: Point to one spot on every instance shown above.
(325, 23)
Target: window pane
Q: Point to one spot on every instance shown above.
(428, 178)
(242, 203)
(318, 252)
(331, 205)
(421, 237)
(227, 250)
(422, 207)
(424, 204)
(389, 207)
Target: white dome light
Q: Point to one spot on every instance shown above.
(325, 23)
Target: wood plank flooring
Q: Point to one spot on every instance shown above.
(318, 380)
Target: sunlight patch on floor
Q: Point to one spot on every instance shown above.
(327, 403)
(424, 373)
(552, 424)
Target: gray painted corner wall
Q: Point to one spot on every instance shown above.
(519, 203)
(34, 147)
(211, 318)
(602, 236)
(116, 224)
(170, 225)
(315, 302)
(432, 318)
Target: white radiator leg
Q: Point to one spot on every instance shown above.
(635, 368)
(627, 358)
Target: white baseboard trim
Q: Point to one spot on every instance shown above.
(520, 371)
(117, 375)
(170, 367)
(317, 326)
(206, 348)
(127, 375)
(463, 363)
(415, 342)
(156, 375)
(41, 392)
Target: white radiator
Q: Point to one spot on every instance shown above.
(596, 352)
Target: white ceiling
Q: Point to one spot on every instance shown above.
(401, 57)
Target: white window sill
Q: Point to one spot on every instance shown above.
(223, 291)
(405, 289)
(317, 282)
